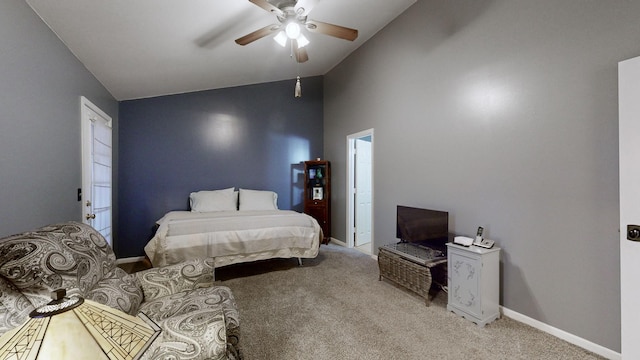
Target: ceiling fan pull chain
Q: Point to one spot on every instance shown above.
(298, 90)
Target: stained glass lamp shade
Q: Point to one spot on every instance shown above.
(74, 328)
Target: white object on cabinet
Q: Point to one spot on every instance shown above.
(474, 282)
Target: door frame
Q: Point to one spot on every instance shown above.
(629, 128)
(86, 156)
(351, 185)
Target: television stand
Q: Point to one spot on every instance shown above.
(410, 266)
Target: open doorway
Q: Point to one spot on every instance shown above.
(360, 191)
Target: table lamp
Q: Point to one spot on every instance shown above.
(75, 328)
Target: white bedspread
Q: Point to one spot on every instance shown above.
(233, 236)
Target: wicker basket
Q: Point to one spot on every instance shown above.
(406, 273)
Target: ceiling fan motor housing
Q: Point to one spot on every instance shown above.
(291, 15)
(283, 4)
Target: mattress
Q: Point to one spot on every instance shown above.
(233, 236)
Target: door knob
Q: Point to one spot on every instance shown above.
(633, 232)
(90, 216)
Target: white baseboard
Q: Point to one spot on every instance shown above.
(573, 339)
(129, 260)
(344, 244)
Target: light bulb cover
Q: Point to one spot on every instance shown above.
(293, 30)
(281, 39)
(302, 41)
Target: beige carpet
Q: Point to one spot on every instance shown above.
(334, 307)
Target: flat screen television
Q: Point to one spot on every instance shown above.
(424, 226)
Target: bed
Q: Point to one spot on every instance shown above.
(233, 227)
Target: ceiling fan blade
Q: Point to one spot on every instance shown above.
(303, 7)
(300, 52)
(268, 6)
(332, 30)
(258, 34)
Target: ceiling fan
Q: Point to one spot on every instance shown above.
(292, 18)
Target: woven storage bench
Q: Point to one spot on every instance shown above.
(411, 270)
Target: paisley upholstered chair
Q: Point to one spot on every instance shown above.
(198, 320)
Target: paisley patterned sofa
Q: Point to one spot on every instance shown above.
(198, 320)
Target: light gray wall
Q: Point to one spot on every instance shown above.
(40, 85)
(503, 113)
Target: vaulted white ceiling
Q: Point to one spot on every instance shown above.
(146, 48)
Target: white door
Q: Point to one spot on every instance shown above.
(356, 207)
(363, 191)
(96, 168)
(629, 128)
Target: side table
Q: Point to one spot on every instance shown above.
(474, 283)
(410, 265)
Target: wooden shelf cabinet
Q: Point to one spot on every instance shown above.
(317, 194)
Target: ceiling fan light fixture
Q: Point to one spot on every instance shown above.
(302, 41)
(293, 30)
(281, 39)
(292, 17)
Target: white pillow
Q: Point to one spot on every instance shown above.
(214, 200)
(258, 200)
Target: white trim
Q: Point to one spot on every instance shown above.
(350, 186)
(349, 191)
(573, 339)
(561, 334)
(129, 260)
(85, 102)
(343, 244)
(88, 112)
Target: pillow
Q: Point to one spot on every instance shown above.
(214, 200)
(258, 200)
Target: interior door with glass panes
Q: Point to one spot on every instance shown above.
(96, 168)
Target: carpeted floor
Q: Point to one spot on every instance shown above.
(334, 307)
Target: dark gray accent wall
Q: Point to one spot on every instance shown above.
(503, 113)
(40, 85)
(252, 137)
